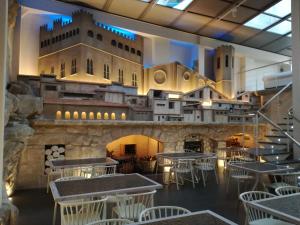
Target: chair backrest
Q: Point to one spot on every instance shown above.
(162, 212)
(233, 171)
(207, 163)
(77, 171)
(68, 178)
(131, 205)
(103, 170)
(253, 213)
(183, 163)
(111, 222)
(287, 190)
(82, 211)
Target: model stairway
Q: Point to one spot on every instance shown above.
(276, 146)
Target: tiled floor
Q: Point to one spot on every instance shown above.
(36, 206)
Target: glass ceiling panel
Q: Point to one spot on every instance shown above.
(176, 4)
(261, 21)
(282, 28)
(281, 9)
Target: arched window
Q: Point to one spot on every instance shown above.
(63, 36)
(134, 80)
(59, 37)
(74, 32)
(127, 48)
(120, 45)
(113, 43)
(77, 31)
(106, 71)
(89, 66)
(139, 53)
(99, 37)
(70, 33)
(121, 77)
(73, 66)
(90, 33)
(56, 39)
(48, 42)
(67, 34)
(53, 40)
(62, 70)
(132, 50)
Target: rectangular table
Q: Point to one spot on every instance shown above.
(110, 185)
(259, 169)
(285, 207)
(205, 217)
(184, 155)
(73, 163)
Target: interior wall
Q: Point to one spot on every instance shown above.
(145, 146)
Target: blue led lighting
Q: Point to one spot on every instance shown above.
(121, 32)
(64, 20)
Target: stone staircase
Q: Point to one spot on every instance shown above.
(276, 146)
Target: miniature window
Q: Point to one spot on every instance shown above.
(67, 35)
(226, 61)
(121, 77)
(132, 50)
(127, 48)
(74, 32)
(232, 61)
(77, 31)
(63, 36)
(70, 33)
(42, 44)
(89, 66)
(62, 70)
(52, 70)
(134, 80)
(99, 37)
(56, 39)
(113, 43)
(53, 40)
(201, 94)
(218, 63)
(171, 105)
(48, 42)
(120, 45)
(73, 67)
(59, 37)
(139, 53)
(90, 33)
(106, 71)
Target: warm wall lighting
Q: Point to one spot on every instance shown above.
(207, 103)
(9, 189)
(75, 115)
(83, 115)
(123, 116)
(106, 116)
(67, 115)
(58, 115)
(174, 96)
(99, 116)
(91, 116)
(113, 116)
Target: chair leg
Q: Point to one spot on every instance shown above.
(238, 184)
(216, 175)
(54, 213)
(192, 173)
(203, 178)
(48, 181)
(176, 177)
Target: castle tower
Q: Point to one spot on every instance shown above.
(224, 70)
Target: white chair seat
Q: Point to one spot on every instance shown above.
(181, 170)
(269, 221)
(278, 184)
(242, 177)
(131, 212)
(205, 167)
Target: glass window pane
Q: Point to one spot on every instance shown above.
(282, 28)
(176, 4)
(281, 9)
(261, 21)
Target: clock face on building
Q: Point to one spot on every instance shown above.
(160, 76)
(186, 75)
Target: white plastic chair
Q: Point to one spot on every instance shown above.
(180, 168)
(103, 170)
(82, 212)
(129, 206)
(162, 162)
(50, 175)
(255, 216)
(287, 190)
(111, 222)
(162, 212)
(85, 172)
(55, 203)
(206, 165)
(237, 174)
(286, 179)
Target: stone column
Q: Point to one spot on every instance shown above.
(296, 71)
(3, 72)
(201, 60)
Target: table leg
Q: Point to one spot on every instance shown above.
(257, 178)
(54, 213)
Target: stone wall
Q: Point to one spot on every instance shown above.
(90, 138)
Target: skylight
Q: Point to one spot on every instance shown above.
(176, 4)
(261, 21)
(281, 9)
(282, 28)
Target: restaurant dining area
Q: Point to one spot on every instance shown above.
(157, 112)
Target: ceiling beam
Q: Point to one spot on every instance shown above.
(182, 13)
(222, 14)
(147, 9)
(107, 5)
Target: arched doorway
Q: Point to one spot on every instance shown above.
(135, 153)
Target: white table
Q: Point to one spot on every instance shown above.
(285, 207)
(259, 169)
